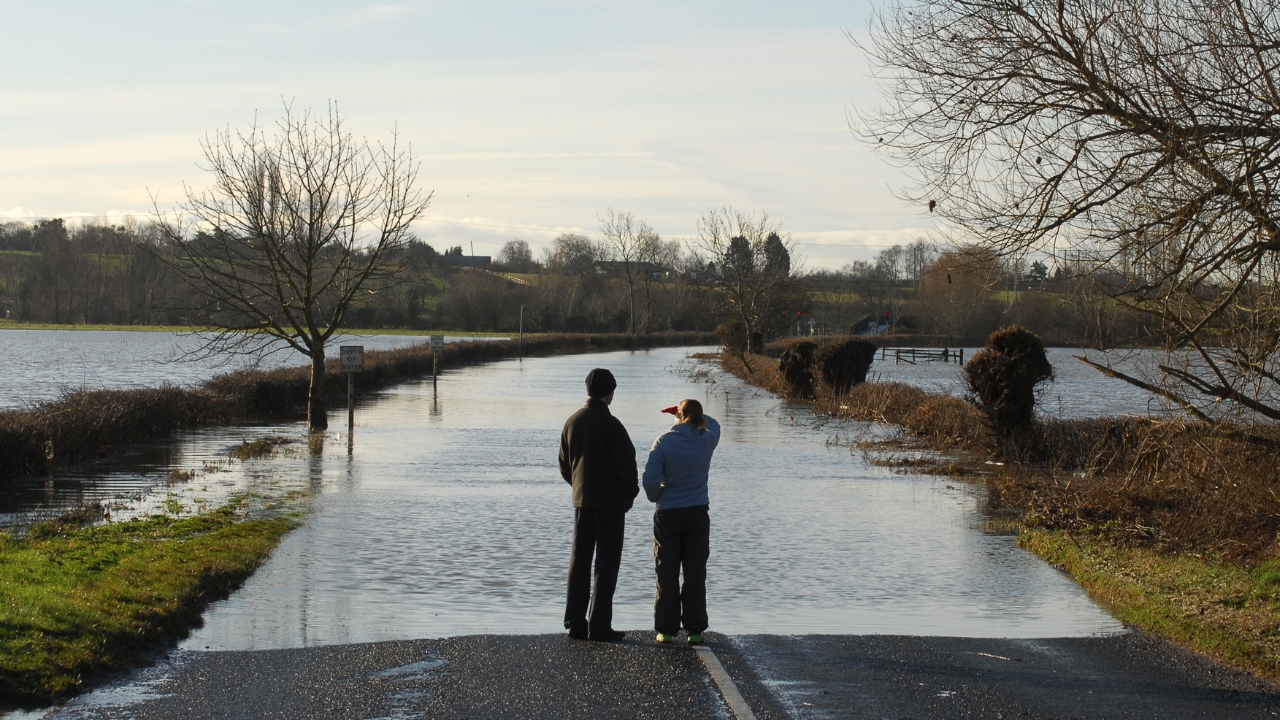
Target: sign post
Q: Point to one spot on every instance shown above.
(437, 344)
(352, 362)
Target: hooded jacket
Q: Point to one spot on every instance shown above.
(598, 459)
(676, 474)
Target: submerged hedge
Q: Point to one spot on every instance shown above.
(91, 423)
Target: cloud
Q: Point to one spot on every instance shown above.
(523, 131)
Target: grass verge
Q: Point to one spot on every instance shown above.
(1216, 606)
(79, 601)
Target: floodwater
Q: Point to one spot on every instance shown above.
(1077, 390)
(42, 364)
(194, 470)
(450, 518)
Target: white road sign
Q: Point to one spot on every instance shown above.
(437, 343)
(352, 358)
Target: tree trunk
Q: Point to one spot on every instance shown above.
(631, 298)
(316, 418)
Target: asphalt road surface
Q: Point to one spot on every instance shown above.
(813, 676)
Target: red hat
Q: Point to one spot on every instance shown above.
(674, 409)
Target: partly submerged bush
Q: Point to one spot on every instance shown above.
(844, 363)
(1003, 376)
(796, 366)
(733, 336)
(85, 423)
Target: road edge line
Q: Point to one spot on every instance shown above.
(737, 704)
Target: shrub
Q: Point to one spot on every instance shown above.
(843, 364)
(1003, 376)
(796, 366)
(733, 335)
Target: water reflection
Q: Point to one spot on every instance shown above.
(446, 524)
(193, 470)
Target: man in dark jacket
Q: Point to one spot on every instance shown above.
(599, 461)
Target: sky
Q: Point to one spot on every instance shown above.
(529, 118)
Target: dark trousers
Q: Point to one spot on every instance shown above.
(599, 532)
(681, 539)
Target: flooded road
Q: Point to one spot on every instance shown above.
(450, 518)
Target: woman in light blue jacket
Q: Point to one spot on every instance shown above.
(676, 479)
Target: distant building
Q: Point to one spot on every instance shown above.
(475, 261)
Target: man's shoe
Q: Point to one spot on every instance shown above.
(578, 632)
(606, 635)
(665, 639)
(696, 639)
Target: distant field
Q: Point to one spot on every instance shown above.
(15, 325)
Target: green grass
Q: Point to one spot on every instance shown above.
(81, 600)
(1225, 609)
(404, 331)
(6, 324)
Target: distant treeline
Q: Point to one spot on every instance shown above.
(966, 294)
(92, 274)
(53, 272)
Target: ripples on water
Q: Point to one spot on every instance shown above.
(451, 518)
(195, 471)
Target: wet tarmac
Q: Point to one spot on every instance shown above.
(550, 676)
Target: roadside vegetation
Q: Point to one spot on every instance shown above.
(1172, 524)
(80, 600)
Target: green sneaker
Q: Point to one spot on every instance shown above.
(665, 639)
(696, 639)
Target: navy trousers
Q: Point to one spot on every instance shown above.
(597, 532)
(681, 540)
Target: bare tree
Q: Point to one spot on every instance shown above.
(290, 230)
(573, 254)
(629, 239)
(757, 285)
(919, 255)
(1138, 141)
(657, 258)
(516, 256)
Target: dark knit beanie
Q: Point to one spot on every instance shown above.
(600, 383)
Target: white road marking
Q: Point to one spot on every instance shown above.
(732, 697)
